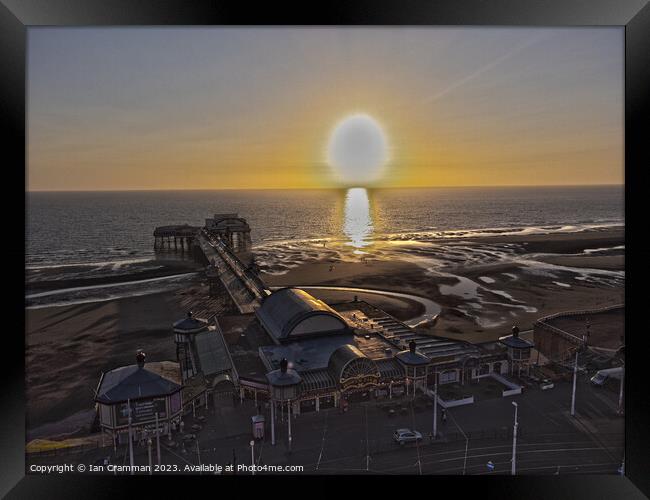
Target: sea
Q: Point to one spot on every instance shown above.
(72, 235)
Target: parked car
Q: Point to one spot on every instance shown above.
(546, 384)
(403, 436)
(603, 376)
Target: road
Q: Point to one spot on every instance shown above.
(550, 440)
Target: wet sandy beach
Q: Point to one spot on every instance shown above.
(483, 285)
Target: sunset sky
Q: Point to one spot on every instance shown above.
(212, 108)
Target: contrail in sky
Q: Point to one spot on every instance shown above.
(483, 69)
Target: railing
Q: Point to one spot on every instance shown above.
(571, 338)
(252, 282)
(581, 313)
(542, 322)
(565, 356)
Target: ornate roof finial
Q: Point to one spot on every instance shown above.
(140, 358)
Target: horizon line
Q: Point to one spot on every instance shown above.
(315, 188)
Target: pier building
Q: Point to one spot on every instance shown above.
(180, 237)
(136, 399)
(348, 351)
(231, 229)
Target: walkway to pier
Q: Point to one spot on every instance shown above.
(243, 285)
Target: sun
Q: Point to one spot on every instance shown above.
(358, 150)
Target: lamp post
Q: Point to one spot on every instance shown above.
(435, 406)
(149, 443)
(252, 457)
(466, 441)
(465, 459)
(284, 384)
(157, 439)
(514, 442)
(289, 419)
(620, 393)
(573, 391)
(128, 404)
(272, 422)
(414, 381)
(198, 453)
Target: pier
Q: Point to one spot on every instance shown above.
(175, 237)
(242, 283)
(224, 243)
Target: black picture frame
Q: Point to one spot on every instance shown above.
(16, 16)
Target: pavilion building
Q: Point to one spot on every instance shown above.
(519, 350)
(151, 394)
(415, 366)
(347, 351)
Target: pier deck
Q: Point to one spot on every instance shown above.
(225, 243)
(244, 287)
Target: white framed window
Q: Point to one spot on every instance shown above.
(448, 376)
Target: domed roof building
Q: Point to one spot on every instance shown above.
(291, 313)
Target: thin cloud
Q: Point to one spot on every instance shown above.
(483, 69)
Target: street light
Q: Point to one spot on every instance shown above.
(289, 419)
(157, 439)
(435, 406)
(466, 442)
(573, 391)
(272, 422)
(620, 392)
(575, 375)
(253, 457)
(514, 441)
(284, 384)
(579, 349)
(149, 443)
(128, 405)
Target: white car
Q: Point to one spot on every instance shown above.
(603, 376)
(403, 436)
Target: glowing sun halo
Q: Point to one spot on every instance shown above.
(357, 150)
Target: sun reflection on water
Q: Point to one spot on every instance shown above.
(357, 225)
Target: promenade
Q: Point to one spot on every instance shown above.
(359, 441)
